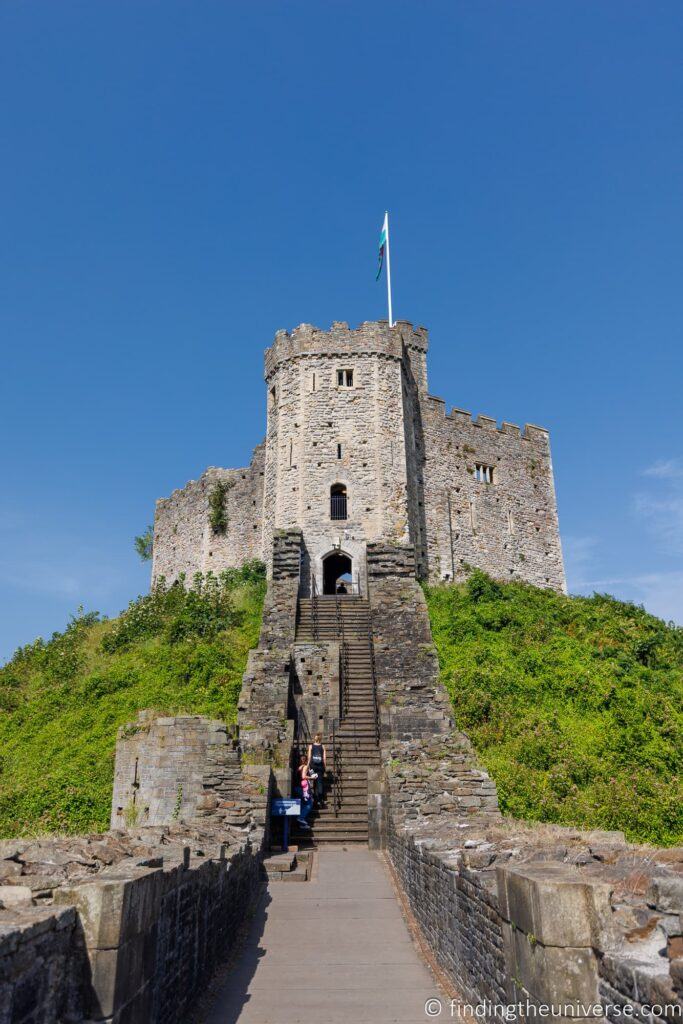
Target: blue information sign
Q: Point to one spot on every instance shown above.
(287, 808)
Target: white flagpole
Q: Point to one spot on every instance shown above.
(386, 221)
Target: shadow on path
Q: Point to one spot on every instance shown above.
(332, 950)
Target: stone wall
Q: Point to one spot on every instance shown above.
(511, 912)
(412, 700)
(516, 913)
(320, 434)
(185, 543)
(315, 687)
(508, 527)
(160, 767)
(127, 927)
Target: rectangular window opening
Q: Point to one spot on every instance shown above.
(483, 474)
(345, 378)
(339, 451)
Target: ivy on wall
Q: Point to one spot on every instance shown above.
(218, 517)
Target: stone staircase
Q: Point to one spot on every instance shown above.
(356, 737)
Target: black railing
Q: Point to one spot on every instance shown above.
(314, 608)
(337, 769)
(375, 695)
(303, 736)
(343, 659)
(338, 506)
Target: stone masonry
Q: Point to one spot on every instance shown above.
(351, 408)
(128, 927)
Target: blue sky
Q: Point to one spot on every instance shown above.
(180, 179)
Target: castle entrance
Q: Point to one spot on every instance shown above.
(337, 577)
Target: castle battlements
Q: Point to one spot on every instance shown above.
(358, 452)
(370, 337)
(530, 432)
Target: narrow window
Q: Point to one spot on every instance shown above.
(338, 509)
(483, 474)
(339, 451)
(313, 383)
(511, 522)
(291, 450)
(473, 516)
(345, 378)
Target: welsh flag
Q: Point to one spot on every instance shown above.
(382, 244)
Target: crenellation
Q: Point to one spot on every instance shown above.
(350, 409)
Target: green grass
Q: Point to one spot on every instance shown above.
(574, 704)
(62, 701)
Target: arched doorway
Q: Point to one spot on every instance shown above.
(337, 573)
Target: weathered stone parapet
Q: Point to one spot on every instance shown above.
(539, 914)
(413, 702)
(139, 917)
(375, 338)
(40, 966)
(184, 540)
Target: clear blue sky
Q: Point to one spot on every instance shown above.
(179, 180)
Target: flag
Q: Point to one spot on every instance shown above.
(382, 244)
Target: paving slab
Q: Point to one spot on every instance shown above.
(334, 950)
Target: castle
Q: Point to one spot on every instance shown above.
(358, 451)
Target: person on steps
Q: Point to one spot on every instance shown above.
(317, 766)
(306, 798)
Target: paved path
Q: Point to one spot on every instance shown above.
(334, 950)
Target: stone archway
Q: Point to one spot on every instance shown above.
(337, 570)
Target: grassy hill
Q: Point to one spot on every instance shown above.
(61, 701)
(575, 705)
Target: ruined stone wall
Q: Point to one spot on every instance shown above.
(510, 912)
(136, 942)
(508, 527)
(315, 687)
(128, 926)
(517, 913)
(412, 700)
(184, 541)
(160, 774)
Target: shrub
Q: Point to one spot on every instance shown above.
(574, 704)
(61, 702)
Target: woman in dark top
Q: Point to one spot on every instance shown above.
(317, 762)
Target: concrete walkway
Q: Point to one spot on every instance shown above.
(334, 950)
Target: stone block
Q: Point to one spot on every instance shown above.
(113, 909)
(15, 895)
(555, 905)
(118, 975)
(555, 975)
(665, 893)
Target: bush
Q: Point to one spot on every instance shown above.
(574, 704)
(62, 701)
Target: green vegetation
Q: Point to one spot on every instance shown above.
(574, 704)
(62, 701)
(144, 544)
(218, 517)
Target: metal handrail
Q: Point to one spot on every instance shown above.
(314, 607)
(337, 770)
(303, 734)
(343, 659)
(373, 672)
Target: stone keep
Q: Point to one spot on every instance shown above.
(357, 450)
